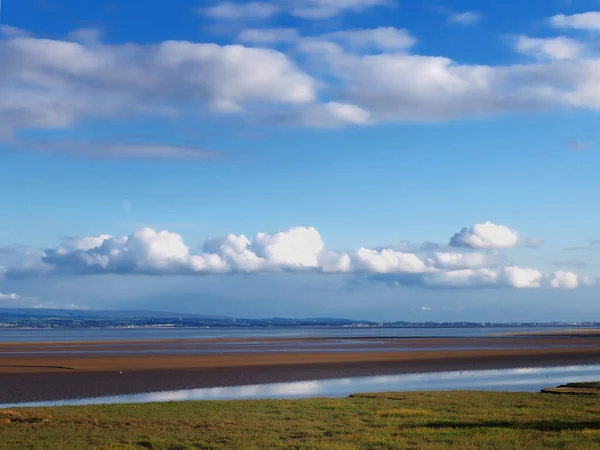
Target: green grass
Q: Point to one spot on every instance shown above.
(432, 420)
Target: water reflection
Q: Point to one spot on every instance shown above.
(525, 379)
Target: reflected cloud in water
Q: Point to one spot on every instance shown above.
(524, 379)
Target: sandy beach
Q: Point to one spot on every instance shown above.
(50, 371)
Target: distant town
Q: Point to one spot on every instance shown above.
(64, 318)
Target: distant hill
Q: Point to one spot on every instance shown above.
(44, 318)
(47, 313)
(329, 320)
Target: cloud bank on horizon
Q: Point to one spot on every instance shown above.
(300, 250)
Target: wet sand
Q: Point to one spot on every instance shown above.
(52, 371)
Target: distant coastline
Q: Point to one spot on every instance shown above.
(32, 318)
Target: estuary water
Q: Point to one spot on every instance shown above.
(110, 334)
(528, 380)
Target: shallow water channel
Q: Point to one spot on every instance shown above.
(528, 380)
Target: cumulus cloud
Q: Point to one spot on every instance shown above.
(489, 235)
(161, 252)
(296, 250)
(584, 21)
(569, 280)
(486, 235)
(459, 260)
(398, 86)
(9, 296)
(560, 47)
(367, 76)
(522, 277)
(408, 87)
(145, 251)
(388, 261)
(55, 83)
(512, 276)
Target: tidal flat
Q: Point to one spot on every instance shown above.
(63, 370)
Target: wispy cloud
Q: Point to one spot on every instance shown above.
(576, 145)
(593, 244)
(571, 263)
(107, 149)
(464, 18)
(305, 9)
(235, 11)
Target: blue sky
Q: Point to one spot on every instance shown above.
(341, 145)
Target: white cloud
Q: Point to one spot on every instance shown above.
(9, 296)
(464, 18)
(387, 261)
(426, 308)
(54, 84)
(584, 21)
(396, 86)
(237, 11)
(331, 262)
(298, 247)
(560, 47)
(486, 235)
(296, 250)
(563, 279)
(519, 277)
(144, 251)
(161, 252)
(464, 278)
(51, 83)
(459, 260)
(511, 277)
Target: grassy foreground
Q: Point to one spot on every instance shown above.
(432, 420)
